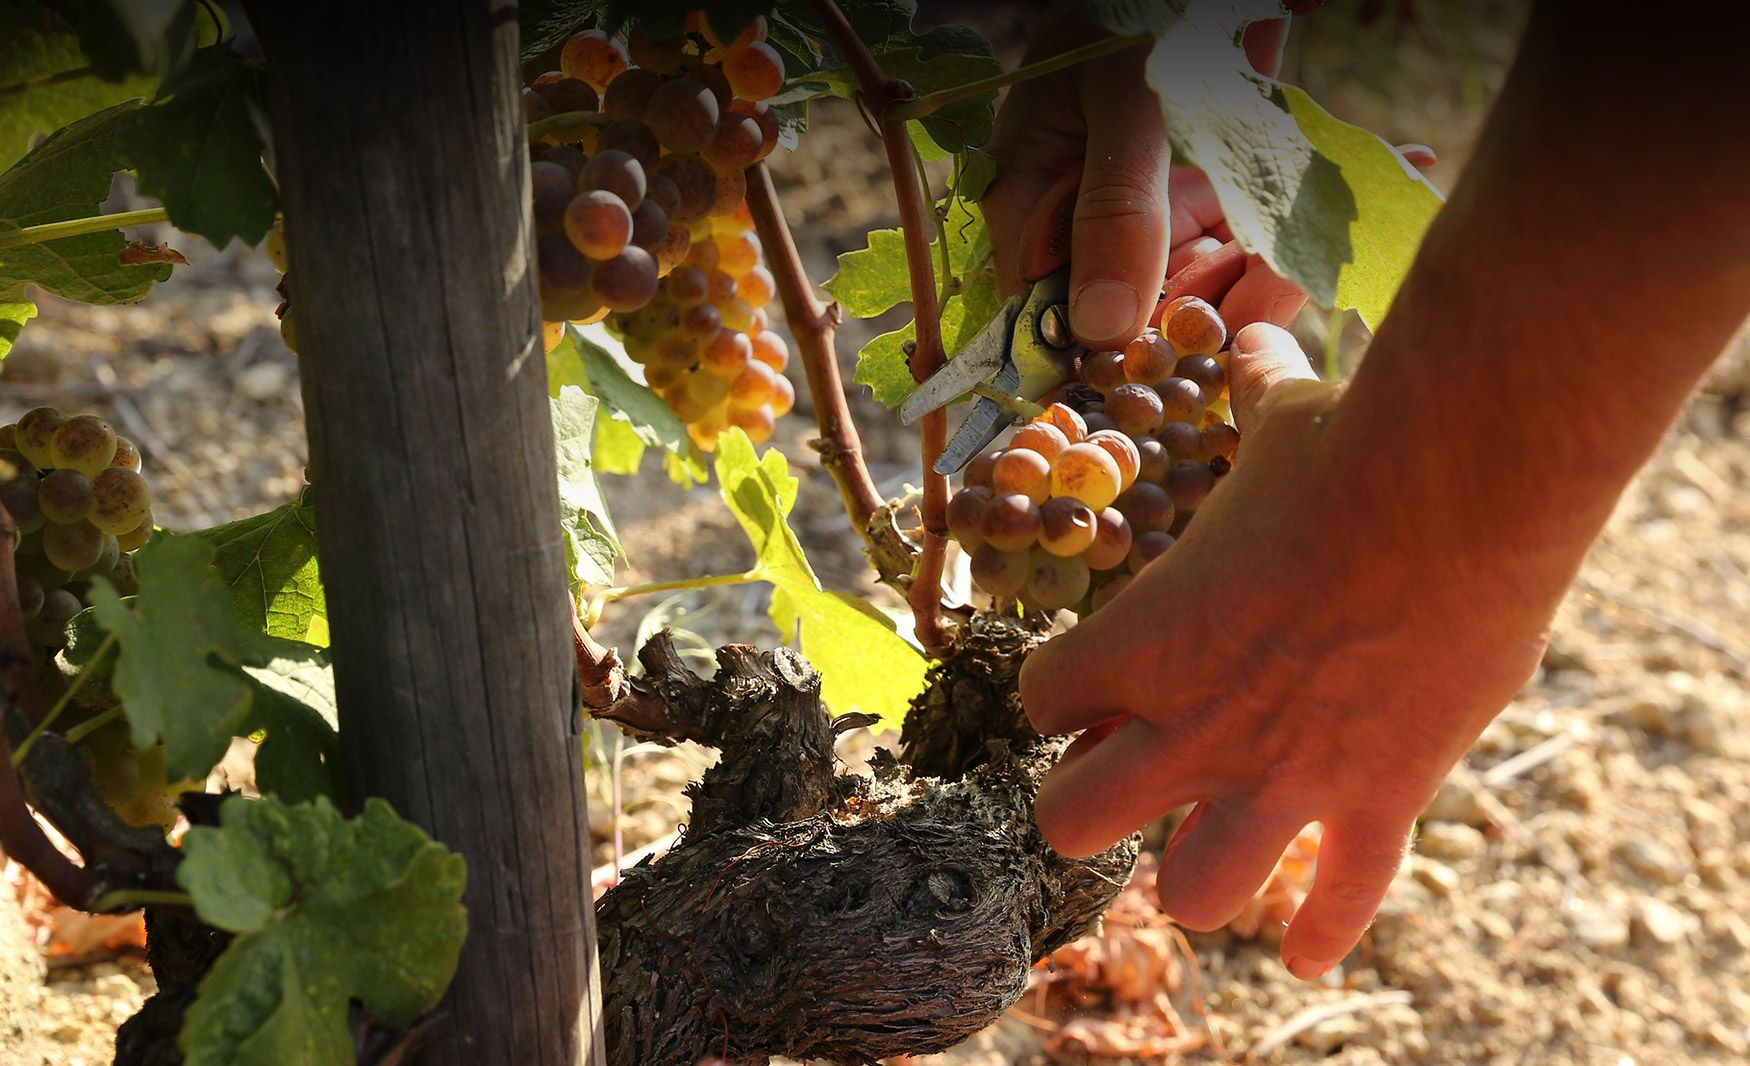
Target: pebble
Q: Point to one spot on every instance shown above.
(1453, 841)
(1331, 1034)
(264, 381)
(1437, 877)
(1457, 801)
(1659, 923)
(1598, 925)
(1654, 860)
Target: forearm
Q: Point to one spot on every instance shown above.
(1590, 266)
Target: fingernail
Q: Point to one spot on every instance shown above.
(1252, 338)
(1306, 969)
(1102, 310)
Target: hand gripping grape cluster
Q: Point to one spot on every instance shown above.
(1103, 482)
(641, 220)
(75, 494)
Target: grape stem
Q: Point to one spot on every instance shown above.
(623, 592)
(78, 682)
(74, 227)
(92, 725)
(565, 120)
(879, 91)
(1019, 406)
(120, 899)
(930, 103)
(20, 835)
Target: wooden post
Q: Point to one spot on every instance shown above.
(400, 151)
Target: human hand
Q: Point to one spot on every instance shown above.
(1312, 649)
(1136, 219)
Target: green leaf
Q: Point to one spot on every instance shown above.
(40, 45)
(872, 280)
(974, 170)
(590, 540)
(13, 316)
(269, 563)
(324, 911)
(1328, 206)
(590, 358)
(863, 663)
(199, 150)
(65, 177)
(126, 37)
(179, 644)
(293, 703)
(618, 448)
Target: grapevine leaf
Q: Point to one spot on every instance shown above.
(1327, 205)
(14, 313)
(962, 124)
(199, 149)
(863, 663)
(618, 449)
(974, 170)
(594, 361)
(293, 703)
(67, 176)
(40, 45)
(269, 563)
(324, 910)
(178, 647)
(873, 280)
(590, 541)
(125, 37)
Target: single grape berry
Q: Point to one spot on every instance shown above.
(1055, 582)
(566, 95)
(628, 280)
(758, 423)
(136, 538)
(736, 143)
(1135, 409)
(755, 71)
(1087, 473)
(683, 114)
(632, 137)
(1023, 472)
(65, 496)
(599, 224)
(727, 354)
(1067, 421)
(664, 55)
(1147, 548)
(1182, 440)
(552, 187)
(702, 321)
(1011, 522)
(1193, 326)
(1041, 437)
(687, 286)
(535, 106)
(1066, 526)
(649, 227)
(770, 349)
(36, 429)
(1002, 574)
(1181, 401)
(1112, 539)
(1203, 370)
(783, 396)
(1109, 589)
(752, 387)
(768, 122)
(966, 515)
(73, 546)
(592, 56)
(1152, 461)
(1148, 359)
(30, 597)
(696, 181)
(980, 470)
(120, 499)
(1104, 371)
(757, 286)
(616, 172)
(1220, 440)
(563, 269)
(1147, 507)
(731, 192)
(1123, 452)
(18, 496)
(1189, 483)
(84, 443)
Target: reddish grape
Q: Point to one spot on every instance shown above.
(757, 286)
(727, 353)
(768, 122)
(1194, 327)
(1152, 461)
(660, 191)
(731, 192)
(752, 387)
(568, 156)
(758, 423)
(1109, 589)
(1067, 421)
(1123, 452)
(1189, 483)
(1023, 472)
(1103, 371)
(627, 281)
(1066, 526)
(582, 306)
(711, 77)
(1203, 370)
(1111, 545)
(1135, 409)
(599, 224)
(697, 182)
(661, 54)
(683, 114)
(1097, 420)
(567, 95)
(593, 57)
(671, 251)
(1182, 440)
(980, 469)
(783, 396)
(1147, 548)
(722, 287)
(1056, 582)
(563, 269)
(1220, 439)
(631, 95)
(966, 515)
(649, 227)
(616, 172)
(687, 287)
(551, 186)
(736, 144)
(770, 349)
(18, 496)
(635, 139)
(1147, 507)
(1041, 437)
(1181, 400)
(1148, 359)
(701, 321)
(1002, 574)
(1087, 473)
(755, 71)
(1011, 522)
(535, 106)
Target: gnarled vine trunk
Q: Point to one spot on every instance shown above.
(840, 917)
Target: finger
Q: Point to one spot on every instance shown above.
(1057, 690)
(1264, 41)
(1121, 216)
(1008, 206)
(1195, 207)
(1209, 277)
(1127, 780)
(1261, 295)
(1045, 239)
(1264, 357)
(1192, 250)
(1419, 156)
(1357, 861)
(1218, 859)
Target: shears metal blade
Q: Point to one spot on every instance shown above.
(1027, 350)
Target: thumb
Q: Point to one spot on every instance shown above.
(1264, 357)
(1119, 238)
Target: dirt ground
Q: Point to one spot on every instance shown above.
(1580, 892)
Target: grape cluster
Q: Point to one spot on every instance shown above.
(1104, 482)
(641, 219)
(81, 508)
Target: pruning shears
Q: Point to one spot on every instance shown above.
(1026, 351)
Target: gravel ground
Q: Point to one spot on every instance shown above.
(1581, 888)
